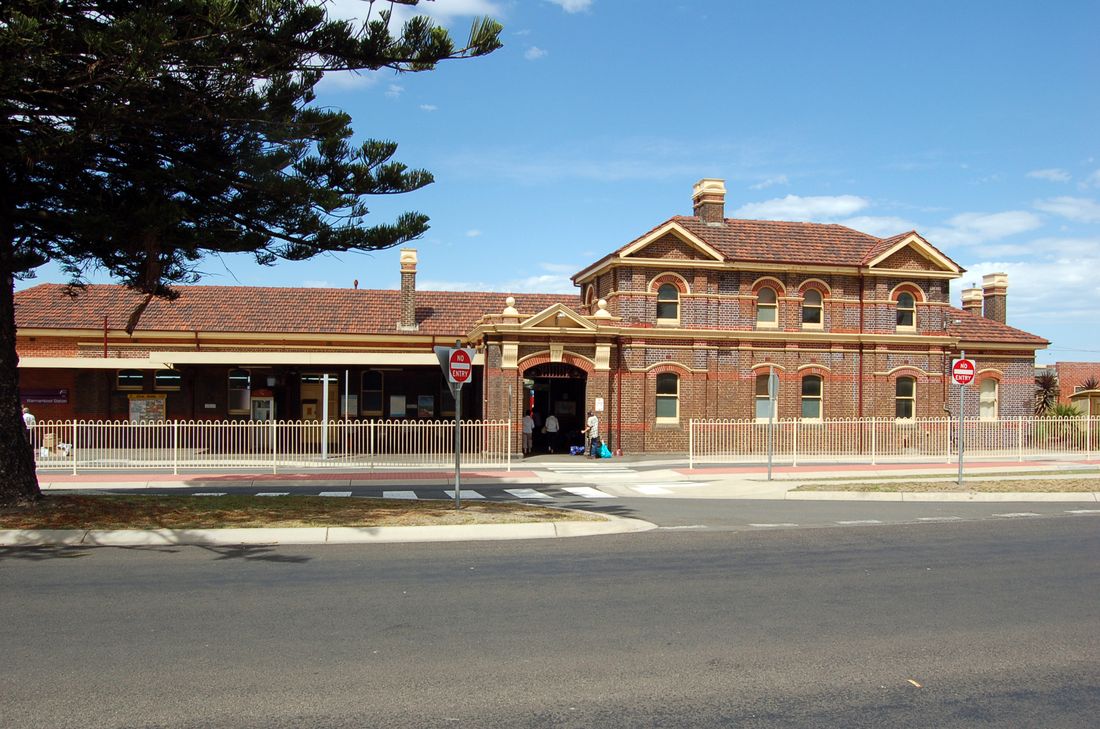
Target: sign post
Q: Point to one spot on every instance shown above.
(458, 366)
(962, 372)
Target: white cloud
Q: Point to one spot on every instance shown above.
(573, 6)
(882, 226)
(777, 180)
(429, 107)
(1051, 175)
(473, 233)
(394, 91)
(560, 267)
(797, 208)
(541, 284)
(973, 228)
(534, 53)
(1092, 180)
(349, 80)
(1081, 209)
(315, 284)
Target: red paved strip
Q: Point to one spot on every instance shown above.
(830, 467)
(303, 477)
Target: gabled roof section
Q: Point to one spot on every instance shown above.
(889, 247)
(637, 248)
(557, 316)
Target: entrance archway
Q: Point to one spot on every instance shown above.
(556, 388)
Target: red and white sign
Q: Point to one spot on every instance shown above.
(962, 371)
(459, 365)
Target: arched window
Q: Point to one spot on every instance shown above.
(668, 397)
(905, 397)
(767, 308)
(668, 304)
(130, 380)
(811, 397)
(907, 311)
(240, 392)
(167, 380)
(988, 399)
(811, 309)
(763, 400)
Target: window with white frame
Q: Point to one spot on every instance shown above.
(240, 392)
(811, 309)
(668, 397)
(763, 401)
(371, 391)
(668, 304)
(811, 397)
(130, 380)
(905, 398)
(767, 308)
(907, 311)
(987, 399)
(167, 380)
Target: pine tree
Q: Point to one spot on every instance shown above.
(138, 138)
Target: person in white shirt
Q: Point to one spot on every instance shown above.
(528, 433)
(592, 435)
(28, 421)
(552, 427)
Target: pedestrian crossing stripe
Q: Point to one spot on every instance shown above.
(335, 493)
(587, 492)
(399, 495)
(528, 494)
(210, 493)
(465, 494)
(274, 493)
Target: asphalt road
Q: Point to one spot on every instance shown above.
(996, 620)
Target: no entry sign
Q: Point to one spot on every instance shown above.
(459, 366)
(962, 371)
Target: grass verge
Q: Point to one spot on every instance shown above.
(135, 511)
(1037, 485)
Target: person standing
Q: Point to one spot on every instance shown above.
(28, 424)
(592, 436)
(528, 433)
(552, 427)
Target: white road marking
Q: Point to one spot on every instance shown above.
(782, 524)
(528, 494)
(335, 493)
(274, 493)
(1014, 514)
(587, 492)
(651, 490)
(465, 494)
(860, 521)
(210, 493)
(1083, 511)
(690, 526)
(939, 518)
(399, 495)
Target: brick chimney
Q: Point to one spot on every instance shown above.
(408, 291)
(972, 300)
(709, 200)
(995, 296)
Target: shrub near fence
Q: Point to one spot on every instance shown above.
(878, 439)
(354, 444)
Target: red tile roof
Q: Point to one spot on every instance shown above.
(970, 327)
(274, 310)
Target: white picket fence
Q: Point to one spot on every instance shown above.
(183, 445)
(885, 439)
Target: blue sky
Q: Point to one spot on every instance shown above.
(975, 123)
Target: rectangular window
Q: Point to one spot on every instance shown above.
(130, 380)
(167, 380)
(668, 397)
(905, 400)
(811, 397)
(240, 392)
(373, 393)
(763, 402)
(988, 400)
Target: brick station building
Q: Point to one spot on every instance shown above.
(686, 321)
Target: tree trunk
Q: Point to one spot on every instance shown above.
(18, 481)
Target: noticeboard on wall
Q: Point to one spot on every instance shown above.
(148, 408)
(397, 406)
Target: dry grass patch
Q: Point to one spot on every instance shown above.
(135, 511)
(1037, 485)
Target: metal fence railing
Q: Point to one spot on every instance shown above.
(186, 445)
(884, 439)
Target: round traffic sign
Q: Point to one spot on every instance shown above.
(460, 366)
(962, 371)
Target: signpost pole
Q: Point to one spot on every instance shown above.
(962, 438)
(458, 446)
(771, 416)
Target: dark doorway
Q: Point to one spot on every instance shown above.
(556, 388)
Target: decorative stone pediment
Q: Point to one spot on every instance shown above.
(671, 242)
(913, 253)
(558, 316)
